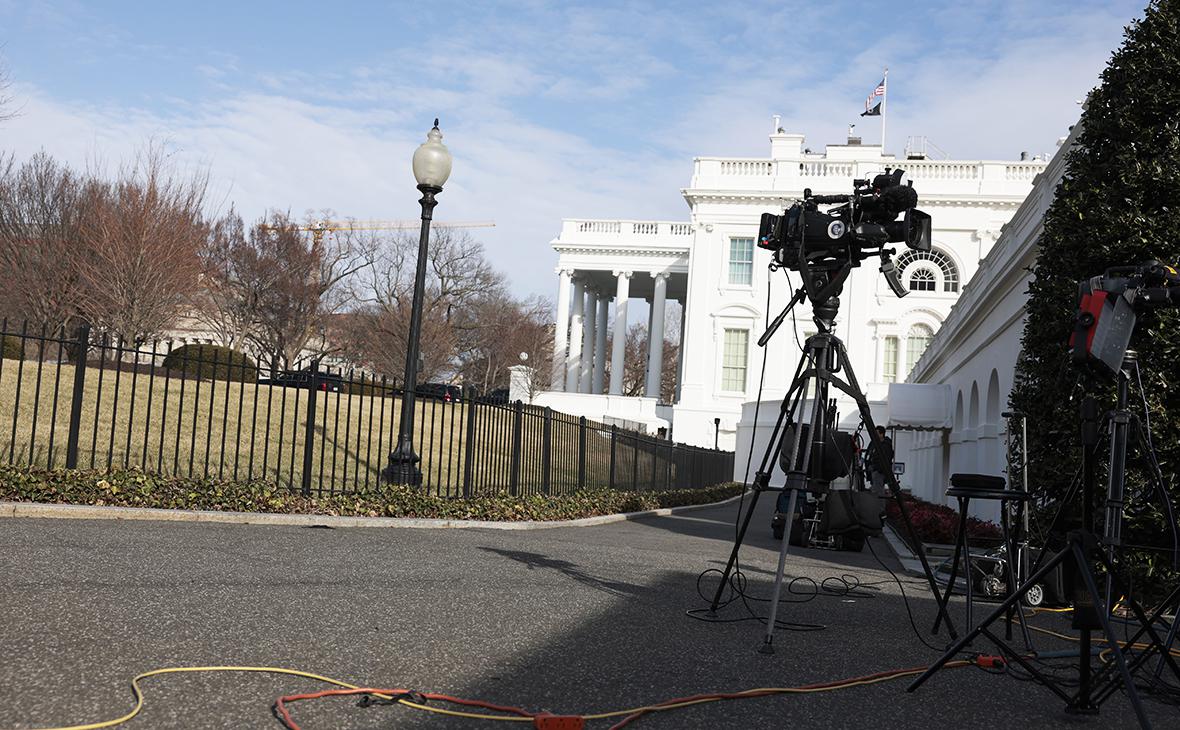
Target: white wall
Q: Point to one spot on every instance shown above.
(976, 352)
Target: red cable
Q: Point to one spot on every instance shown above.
(285, 715)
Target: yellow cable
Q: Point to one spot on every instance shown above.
(766, 691)
(139, 698)
(1104, 640)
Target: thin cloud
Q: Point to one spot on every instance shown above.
(553, 111)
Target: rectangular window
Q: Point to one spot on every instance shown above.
(889, 371)
(741, 261)
(734, 357)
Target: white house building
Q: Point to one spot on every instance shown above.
(709, 264)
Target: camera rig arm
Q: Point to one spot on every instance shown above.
(800, 295)
(892, 275)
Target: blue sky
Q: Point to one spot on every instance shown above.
(551, 110)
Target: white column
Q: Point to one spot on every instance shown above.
(573, 360)
(619, 336)
(655, 337)
(680, 350)
(589, 335)
(596, 381)
(561, 331)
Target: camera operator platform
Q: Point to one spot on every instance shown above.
(824, 246)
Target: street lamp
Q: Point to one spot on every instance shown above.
(432, 167)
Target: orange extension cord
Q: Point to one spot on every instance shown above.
(546, 721)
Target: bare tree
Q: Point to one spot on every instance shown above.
(227, 301)
(138, 264)
(300, 277)
(501, 328)
(457, 274)
(41, 209)
(635, 350)
(6, 110)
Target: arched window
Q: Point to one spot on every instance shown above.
(915, 344)
(922, 279)
(922, 274)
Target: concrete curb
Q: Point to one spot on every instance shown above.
(87, 512)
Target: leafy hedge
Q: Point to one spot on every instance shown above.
(1117, 205)
(133, 488)
(212, 361)
(939, 524)
(10, 347)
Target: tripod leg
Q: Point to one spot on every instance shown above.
(1103, 611)
(959, 645)
(1010, 579)
(761, 481)
(944, 599)
(767, 645)
(968, 570)
(737, 545)
(1146, 625)
(852, 389)
(1171, 640)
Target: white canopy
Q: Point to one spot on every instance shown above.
(918, 406)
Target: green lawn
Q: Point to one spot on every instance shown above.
(165, 424)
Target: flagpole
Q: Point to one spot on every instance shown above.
(884, 106)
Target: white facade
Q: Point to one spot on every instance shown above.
(975, 354)
(710, 264)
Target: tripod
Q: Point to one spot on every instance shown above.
(825, 358)
(1091, 605)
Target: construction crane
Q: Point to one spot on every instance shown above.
(319, 227)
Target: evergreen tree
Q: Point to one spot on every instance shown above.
(1118, 204)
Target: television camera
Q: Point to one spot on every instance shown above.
(1109, 306)
(824, 244)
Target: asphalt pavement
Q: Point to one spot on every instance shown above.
(575, 620)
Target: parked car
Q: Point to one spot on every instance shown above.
(497, 397)
(330, 382)
(439, 391)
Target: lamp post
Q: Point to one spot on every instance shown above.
(716, 432)
(432, 167)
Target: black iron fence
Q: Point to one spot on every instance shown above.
(88, 400)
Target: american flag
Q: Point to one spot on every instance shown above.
(873, 103)
(877, 92)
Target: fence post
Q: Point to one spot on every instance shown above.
(469, 447)
(309, 431)
(83, 344)
(634, 461)
(582, 452)
(655, 450)
(517, 419)
(613, 438)
(546, 446)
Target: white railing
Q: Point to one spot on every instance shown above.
(1022, 171)
(826, 169)
(939, 170)
(747, 167)
(600, 227)
(572, 229)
